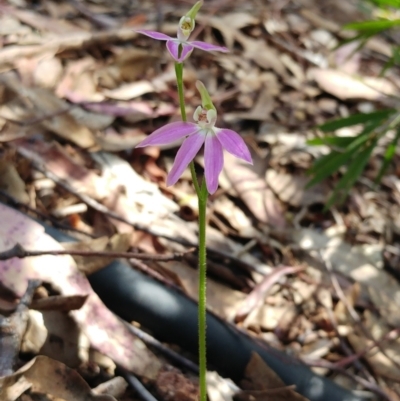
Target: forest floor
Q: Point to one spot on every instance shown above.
(79, 89)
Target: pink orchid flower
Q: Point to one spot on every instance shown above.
(187, 46)
(180, 47)
(196, 134)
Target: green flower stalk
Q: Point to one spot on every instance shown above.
(194, 135)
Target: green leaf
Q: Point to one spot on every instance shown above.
(323, 160)
(356, 167)
(388, 156)
(327, 165)
(363, 37)
(386, 3)
(394, 60)
(356, 119)
(338, 141)
(353, 172)
(355, 143)
(376, 25)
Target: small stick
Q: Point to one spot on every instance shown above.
(137, 385)
(18, 251)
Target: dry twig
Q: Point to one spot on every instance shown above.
(18, 251)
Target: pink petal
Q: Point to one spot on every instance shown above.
(185, 155)
(169, 133)
(232, 142)
(213, 162)
(208, 47)
(154, 34)
(173, 48)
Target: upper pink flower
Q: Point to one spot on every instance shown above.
(199, 133)
(187, 46)
(180, 47)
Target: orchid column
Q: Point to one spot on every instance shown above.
(202, 131)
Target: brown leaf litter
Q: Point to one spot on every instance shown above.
(79, 88)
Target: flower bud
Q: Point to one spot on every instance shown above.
(187, 22)
(194, 10)
(205, 97)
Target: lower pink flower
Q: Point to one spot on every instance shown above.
(215, 140)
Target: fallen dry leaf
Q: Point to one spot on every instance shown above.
(48, 72)
(48, 376)
(219, 388)
(345, 86)
(261, 383)
(132, 63)
(260, 111)
(11, 182)
(55, 159)
(71, 346)
(131, 196)
(115, 387)
(89, 265)
(385, 359)
(40, 102)
(235, 216)
(130, 91)
(79, 81)
(41, 22)
(112, 141)
(258, 294)
(10, 54)
(274, 318)
(12, 329)
(291, 189)
(248, 183)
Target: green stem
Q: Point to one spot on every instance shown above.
(202, 195)
(194, 178)
(202, 291)
(179, 81)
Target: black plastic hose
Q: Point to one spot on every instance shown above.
(172, 317)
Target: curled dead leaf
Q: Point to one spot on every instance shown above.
(345, 86)
(48, 376)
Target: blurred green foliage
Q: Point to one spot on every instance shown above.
(352, 153)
